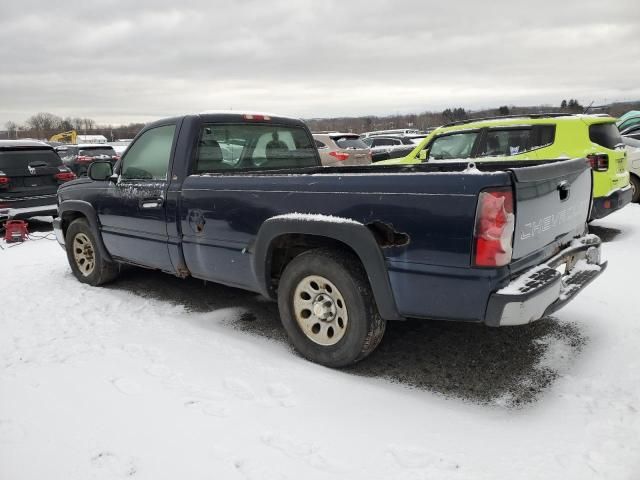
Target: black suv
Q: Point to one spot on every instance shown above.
(387, 147)
(79, 157)
(30, 173)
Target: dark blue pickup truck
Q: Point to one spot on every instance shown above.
(241, 199)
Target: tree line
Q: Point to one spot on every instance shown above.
(43, 125)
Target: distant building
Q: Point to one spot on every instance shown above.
(92, 139)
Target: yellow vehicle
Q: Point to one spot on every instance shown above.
(537, 137)
(65, 137)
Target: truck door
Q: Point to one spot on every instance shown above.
(132, 211)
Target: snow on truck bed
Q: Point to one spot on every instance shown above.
(116, 383)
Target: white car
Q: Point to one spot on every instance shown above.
(633, 161)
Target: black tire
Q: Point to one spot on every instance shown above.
(364, 328)
(78, 234)
(635, 186)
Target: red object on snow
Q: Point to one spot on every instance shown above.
(15, 231)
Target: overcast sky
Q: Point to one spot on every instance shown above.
(124, 61)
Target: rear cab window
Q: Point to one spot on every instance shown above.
(253, 146)
(606, 135)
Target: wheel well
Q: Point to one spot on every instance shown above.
(286, 247)
(67, 218)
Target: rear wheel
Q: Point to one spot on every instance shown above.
(327, 308)
(635, 188)
(87, 263)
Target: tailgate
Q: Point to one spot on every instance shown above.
(552, 204)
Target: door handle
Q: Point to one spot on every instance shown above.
(151, 202)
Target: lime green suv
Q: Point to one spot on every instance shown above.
(537, 137)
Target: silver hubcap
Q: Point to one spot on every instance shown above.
(320, 310)
(83, 254)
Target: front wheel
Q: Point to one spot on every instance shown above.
(87, 263)
(327, 308)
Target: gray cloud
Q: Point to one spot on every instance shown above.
(121, 61)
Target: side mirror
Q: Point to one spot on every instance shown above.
(100, 171)
(424, 154)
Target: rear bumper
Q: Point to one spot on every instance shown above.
(544, 289)
(28, 207)
(603, 206)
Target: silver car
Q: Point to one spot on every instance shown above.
(342, 149)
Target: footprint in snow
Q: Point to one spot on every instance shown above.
(126, 386)
(282, 393)
(414, 457)
(251, 471)
(160, 371)
(239, 388)
(137, 350)
(211, 409)
(296, 449)
(114, 465)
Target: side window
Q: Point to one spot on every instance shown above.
(457, 145)
(148, 158)
(319, 144)
(246, 146)
(506, 142)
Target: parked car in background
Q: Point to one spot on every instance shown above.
(341, 149)
(384, 147)
(537, 137)
(30, 174)
(631, 132)
(119, 146)
(394, 131)
(633, 160)
(79, 157)
(629, 121)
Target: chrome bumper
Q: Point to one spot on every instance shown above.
(547, 288)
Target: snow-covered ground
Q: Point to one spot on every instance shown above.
(118, 383)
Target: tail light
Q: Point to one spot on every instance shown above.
(4, 180)
(65, 176)
(495, 223)
(599, 162)
(256, 117)
(84, 159)
(341, 156)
